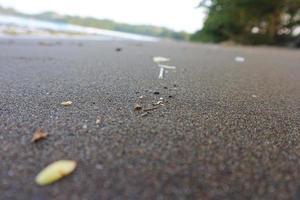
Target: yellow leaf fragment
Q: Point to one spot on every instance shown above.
(66, 103)
(55, 171)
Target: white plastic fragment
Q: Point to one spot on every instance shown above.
(159, 59)
(166, 66)
(239, 59)
(161, 73)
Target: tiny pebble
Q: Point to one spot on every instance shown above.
(156, 93)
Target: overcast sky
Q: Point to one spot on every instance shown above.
(175, 14)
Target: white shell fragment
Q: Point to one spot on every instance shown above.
(159, 59)
(239, 59)
(55, 171)
(66, 103)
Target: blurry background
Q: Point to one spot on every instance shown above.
(216, 21)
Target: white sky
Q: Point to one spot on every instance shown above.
(175, 14)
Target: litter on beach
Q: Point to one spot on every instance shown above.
(161, 73)
(137, 107)
(55, 171)
(239, 59)
(38, 135)
(166, 66)
(160, 59)
(66, 103)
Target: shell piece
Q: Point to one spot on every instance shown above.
(159, 59)
(66, 103)
(55, 171)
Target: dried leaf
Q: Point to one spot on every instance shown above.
(66, 103)
(39, 134)
(55, 171)
(137, 107)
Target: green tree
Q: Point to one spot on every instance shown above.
(250, 21)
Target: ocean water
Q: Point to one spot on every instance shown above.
(33, 25)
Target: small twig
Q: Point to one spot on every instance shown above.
(149, 109)
(145, 114)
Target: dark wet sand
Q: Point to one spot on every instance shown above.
(228, 130)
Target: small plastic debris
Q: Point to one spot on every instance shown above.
(167, 67)
(55, 171)
(142, 97)
(159, 103)
(98, 120)
(161, 73)
(160, 59)
(66, 103)
(137, 107)
(161, 98)
(254, 96)
(239, 59)
(38, 135)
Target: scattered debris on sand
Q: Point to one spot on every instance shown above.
(254, 96)
(66, 103)
(38, 135)
(55, 171)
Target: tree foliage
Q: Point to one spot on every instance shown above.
(250, 21)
